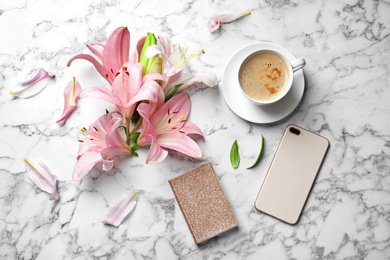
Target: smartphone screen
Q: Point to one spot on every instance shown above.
(291, 174)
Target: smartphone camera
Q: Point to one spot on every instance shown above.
(295, 131)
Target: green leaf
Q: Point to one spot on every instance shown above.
(134, 153)
(135, 136)
(172, 92)
(234, 155)
(260, 153)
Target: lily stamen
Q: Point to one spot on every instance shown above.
(182, 60)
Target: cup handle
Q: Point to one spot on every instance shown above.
(298, 64)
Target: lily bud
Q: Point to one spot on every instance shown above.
(155, 66)
(149, 62)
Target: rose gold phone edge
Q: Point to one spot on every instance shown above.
(324, 152)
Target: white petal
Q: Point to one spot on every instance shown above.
(117, 213)
(41, 176)
(34, 86)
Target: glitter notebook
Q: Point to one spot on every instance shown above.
(203, 203)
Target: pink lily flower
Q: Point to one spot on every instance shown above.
(113, 54)
(41, 176)
(165, 125)
(128, 88)
(33, 86)
(216, 20)
(71, 96)
(119, 211)
(104, 143)
(175, 70)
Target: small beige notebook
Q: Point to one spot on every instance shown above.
(203, 203)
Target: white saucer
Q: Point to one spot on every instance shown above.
(246, 109)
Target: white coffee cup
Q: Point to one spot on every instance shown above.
(266, 76)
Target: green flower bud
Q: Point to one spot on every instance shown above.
(152, 64)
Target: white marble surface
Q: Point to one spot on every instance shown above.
(347, 99)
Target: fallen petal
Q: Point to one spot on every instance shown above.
(33, 86)
(214, 23)
(71, 96)
(119, 211)
(40, 174)
(217, 20)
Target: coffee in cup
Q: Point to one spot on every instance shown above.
(266, 76)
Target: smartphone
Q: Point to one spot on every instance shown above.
(291, 174)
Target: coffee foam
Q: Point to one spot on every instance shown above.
(264, 76)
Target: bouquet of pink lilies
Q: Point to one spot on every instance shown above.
(147, 87)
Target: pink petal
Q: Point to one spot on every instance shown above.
(38, 77)
(116, 49)
(156, 153)
(99, 93)
(40, 174)
(127, 83)
(96, 48)
(33, 86)
(148, 134)
(134, 56)
(159, 102)
(180, 104)
(192, 130)
(214, 23)
(217, 20)
(85, 163)
(149, 92)
(166, 44)
(98, 133)
(119, 211)
(152, 76)
(99, 67)
(71, 96)
(110, 152)
(133, 81)
(66, 114)
(180, 142)
(107, 165)
(116, 144)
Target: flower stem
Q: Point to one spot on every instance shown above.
(136, 126)
(128, 131)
